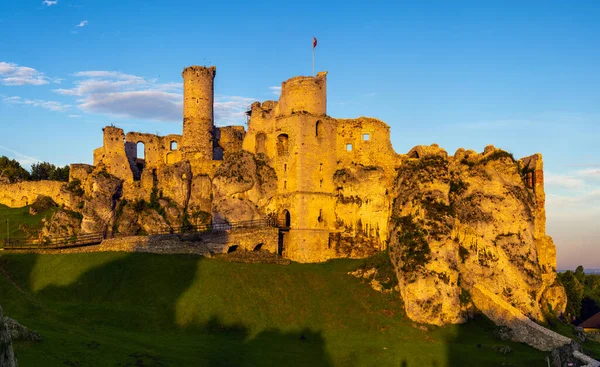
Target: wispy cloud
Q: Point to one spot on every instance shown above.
(231, 109)
(24, 160)
(275, 90)
(563, 181)
(50, 2)
(82, 24)
(14, 75)
(129, 96)
(48, 105)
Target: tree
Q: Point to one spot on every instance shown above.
(574, 290)
(11, 171)
(48, 171)
(580, 274)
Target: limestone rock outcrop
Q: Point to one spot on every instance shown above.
(7, 354)
(466, 220)
(242, 186)
(102, 191)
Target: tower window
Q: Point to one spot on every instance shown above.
(285, 184)
(349, 147)
(319, 129)
(282, 144)
(320, 166)
(141, 150)
(321, 184)
(285, 168)
(173, 145)
(320, 219)
(366, 137)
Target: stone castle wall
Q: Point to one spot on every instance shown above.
(20, 194)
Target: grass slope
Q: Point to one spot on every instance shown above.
(117, 309)
(19, 219)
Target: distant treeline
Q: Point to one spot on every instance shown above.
(583, 293)
(11, 171)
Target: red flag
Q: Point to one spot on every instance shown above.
(314, 42)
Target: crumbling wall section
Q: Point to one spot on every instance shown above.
(20, 194)
(112, 155)
(229, 139)
(78, 171)
(365, 141)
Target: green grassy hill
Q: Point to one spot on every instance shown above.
(117, 309)
(122, 309)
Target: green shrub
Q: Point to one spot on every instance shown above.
(75, 187)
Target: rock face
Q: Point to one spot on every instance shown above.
(242, 186)
(7, 355)
(471, 220)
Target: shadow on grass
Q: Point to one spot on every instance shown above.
(123, 311)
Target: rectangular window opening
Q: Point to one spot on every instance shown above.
(349, 147)
(366, 137)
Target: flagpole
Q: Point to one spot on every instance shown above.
(313, 60)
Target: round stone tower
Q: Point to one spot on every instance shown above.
(198, 117)
(304, 94)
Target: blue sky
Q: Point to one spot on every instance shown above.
(522, 75)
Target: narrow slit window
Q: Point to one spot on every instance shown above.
(285, 184)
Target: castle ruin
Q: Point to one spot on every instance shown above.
(309, 151)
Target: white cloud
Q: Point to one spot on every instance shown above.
(82, 24)
(74, 116)
(14, 75)
(276, 90)
(50, 2)
(564, 181)
(231, 109)
(24, 160)
(590, 172)
(146, 104)
(49, 105)
(129, 96)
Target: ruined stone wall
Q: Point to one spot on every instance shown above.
(523, 329)
(196, 243)
(79, 171)
(365, 141)
(153, 153)
(304, 94)
(171, 145)
(198, 115)
(20, 194)
(230, 140)
(112, 154)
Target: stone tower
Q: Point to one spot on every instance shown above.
(198, 115)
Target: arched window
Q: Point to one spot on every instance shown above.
(282, 144)
(285, 219)
(173, 145)
(261, 140)
(319, 129)
(141, 150)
